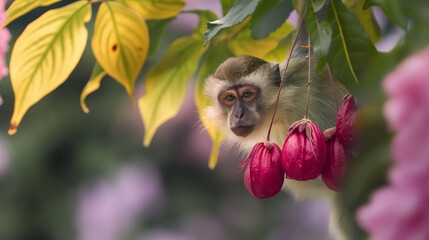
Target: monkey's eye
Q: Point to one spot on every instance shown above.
(229, 98)
(247, 94)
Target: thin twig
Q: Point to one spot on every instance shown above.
(309, 77)
(284, 71)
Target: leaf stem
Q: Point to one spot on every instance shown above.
(309, 77)
(284, 71)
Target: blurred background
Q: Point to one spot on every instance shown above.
(67, 175)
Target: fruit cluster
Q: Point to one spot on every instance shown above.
(307, 153)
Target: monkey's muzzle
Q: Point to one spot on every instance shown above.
(242, 131)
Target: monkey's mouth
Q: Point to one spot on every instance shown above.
(242, 131)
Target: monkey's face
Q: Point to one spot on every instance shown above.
(240, 102)
(243, 90)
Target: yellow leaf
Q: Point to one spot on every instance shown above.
(49, 2)
(93, 84)
(120, 43)
(166, 83)
(215, 151)
(280, 53)
(21, 7)
(244, 44)
(217, 137)
(215, 133)
(155, 9)
(215, 56)
(45, 54)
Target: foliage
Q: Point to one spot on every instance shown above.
(343, 35)
(39, 66)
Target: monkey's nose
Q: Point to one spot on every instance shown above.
(239, 110)
(239, 115)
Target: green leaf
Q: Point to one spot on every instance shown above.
(320, 35)
(120, 43)
(366, 18)
(166, 83)
(21, 7)
(236, 14)
(45, 54)
(155, 9)
(269, 16)
(244, 44)
(93, 84)
(351, 49)
(156, 30)
(215, 56)
(394, 10)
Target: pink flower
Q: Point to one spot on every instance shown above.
(345, 129)
(399, 211)
(4, 39)
(303, 152)
(264, 176)
(335, 168)
(407, 109)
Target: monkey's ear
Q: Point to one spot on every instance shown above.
(277, 76)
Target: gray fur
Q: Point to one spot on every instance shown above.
(322, 108)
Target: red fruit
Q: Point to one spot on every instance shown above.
(335, 168)
(304, 151)
(264, 175)
(346, 132)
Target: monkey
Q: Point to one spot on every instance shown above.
(244, 89)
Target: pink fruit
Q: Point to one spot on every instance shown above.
(304, 151)
(264, 175)
(346, 132)
(335, 168)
